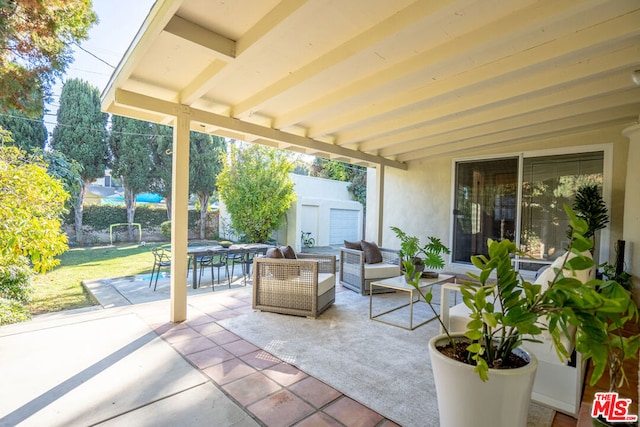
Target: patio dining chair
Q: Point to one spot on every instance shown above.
(161, 258)
(218, 261)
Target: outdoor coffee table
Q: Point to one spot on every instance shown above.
(399, 284)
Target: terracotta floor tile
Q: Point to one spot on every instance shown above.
(228, 371)
(240, 347)
(285, 374)
(223, 337)
(200, 319)
(352, 414)
(319, 419)
(260, 359)
(209, 357)
(389, 423)
(180, 334)
(226, 314)
(209, 328)
(194, 345)
(315, 392)
(252, 388)
(281, 409)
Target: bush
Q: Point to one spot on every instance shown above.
(12, 312)
(165, 228)
(15, 289)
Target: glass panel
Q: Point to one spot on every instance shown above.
(548, 183)
(485, 205)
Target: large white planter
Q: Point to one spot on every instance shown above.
(464, 400)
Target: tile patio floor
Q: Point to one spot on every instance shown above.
(272, 392)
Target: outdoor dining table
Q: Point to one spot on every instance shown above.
(242, 249)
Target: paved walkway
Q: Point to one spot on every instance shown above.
(127, 364)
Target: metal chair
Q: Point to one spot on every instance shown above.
(161, 258)
(218, 261)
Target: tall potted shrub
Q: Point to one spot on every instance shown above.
(507, 310)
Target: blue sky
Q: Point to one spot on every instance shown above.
(119, 21)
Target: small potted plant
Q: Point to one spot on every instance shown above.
(505, 311)
(411, 251)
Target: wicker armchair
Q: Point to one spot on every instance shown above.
(303, 287)
(356, 275)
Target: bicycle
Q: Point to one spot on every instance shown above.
(307, 240)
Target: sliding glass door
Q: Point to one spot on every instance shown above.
(485, 205)
(487, 199)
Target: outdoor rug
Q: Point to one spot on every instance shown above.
(383, 367)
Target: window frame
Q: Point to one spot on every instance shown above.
(607, 175)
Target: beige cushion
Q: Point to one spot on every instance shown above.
(381, 271)
(326, 281)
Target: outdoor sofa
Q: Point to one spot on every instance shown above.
(301, 286)
(363, 262)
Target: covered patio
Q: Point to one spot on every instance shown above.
(406, 88)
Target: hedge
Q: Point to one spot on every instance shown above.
(101, 217)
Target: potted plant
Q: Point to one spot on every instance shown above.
(411, 249)
(507, 310)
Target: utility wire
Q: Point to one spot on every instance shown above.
(94, 55)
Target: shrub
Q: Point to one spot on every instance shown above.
(165, 228)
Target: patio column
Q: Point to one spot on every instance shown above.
(380, 187)
(179, 214)
(631, 224)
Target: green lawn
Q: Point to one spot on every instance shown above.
(61, 288)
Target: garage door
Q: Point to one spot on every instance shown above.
(344, 226)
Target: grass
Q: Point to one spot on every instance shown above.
(61, 288)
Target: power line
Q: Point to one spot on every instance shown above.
(94, 55)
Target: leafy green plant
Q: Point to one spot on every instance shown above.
(411, 249)
(256, 189)
(589, 206)
(507, 310)
(165, 229)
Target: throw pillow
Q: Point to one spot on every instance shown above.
(274, 253)
(372, 254)
(353, 245)
(288, 252)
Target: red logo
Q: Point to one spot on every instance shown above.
(612, 408)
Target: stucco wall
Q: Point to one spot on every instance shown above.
(418, 200)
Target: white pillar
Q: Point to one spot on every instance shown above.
(631, 225)
(380, 186)
(179, 214)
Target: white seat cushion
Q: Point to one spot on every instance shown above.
(326, 281)
(381, 270)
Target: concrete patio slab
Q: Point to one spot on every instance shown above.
(101, 369)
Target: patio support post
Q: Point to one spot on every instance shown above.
(179, 214)
(380, 187)
(631, 224)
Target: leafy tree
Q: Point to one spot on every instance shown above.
(161, 146)
(206, 157)
(67, 171)
(82, 136)
(27, 133)
(256, 189)
(31, 208)
(35, 40)
(340, 171)
(130, 148)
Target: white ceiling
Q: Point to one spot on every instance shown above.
(384, 81)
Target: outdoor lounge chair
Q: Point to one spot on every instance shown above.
(305, 286)
(356, 274)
